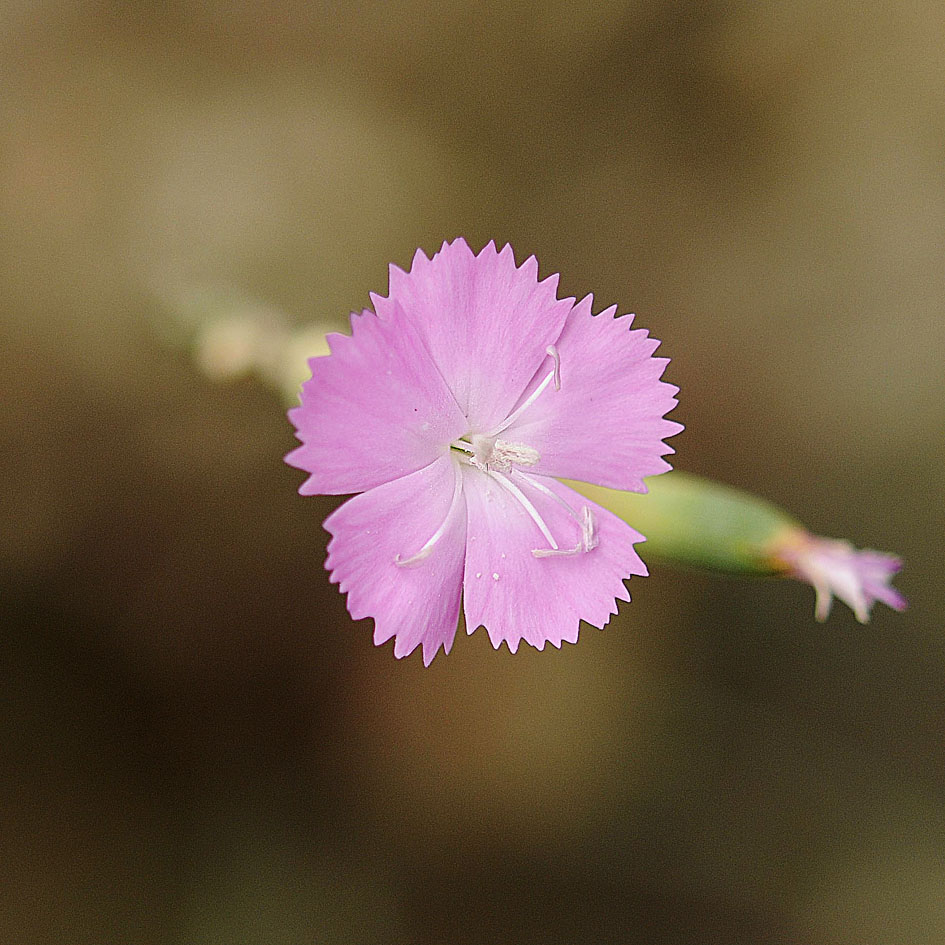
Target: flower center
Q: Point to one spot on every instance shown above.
(501, 460)
(489, 452)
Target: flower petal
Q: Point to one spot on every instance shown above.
(859, 577)
(486, 323)
(519, 596)
(415, 603)
(605, 425)
(376, 409)
(877, 569)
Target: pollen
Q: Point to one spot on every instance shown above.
(501, 455)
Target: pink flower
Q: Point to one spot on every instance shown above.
(452, 410)
(835, 568)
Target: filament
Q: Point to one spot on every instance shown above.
(427, 549)
(553, 375)
(517, 493)
(586, 521)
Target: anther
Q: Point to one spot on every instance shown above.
(489, 453)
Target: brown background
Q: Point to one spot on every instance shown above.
(200, 745)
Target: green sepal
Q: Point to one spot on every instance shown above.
(695, 522)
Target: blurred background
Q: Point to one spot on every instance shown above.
(201, 746)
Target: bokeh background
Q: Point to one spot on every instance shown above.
(200, 746)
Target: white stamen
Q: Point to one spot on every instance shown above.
(553, 352)
(588, 524)
(524, 502)
(544, 490)
(557, 552)
(554, 375)
(501, 454)
(427, 549)
(589, 537)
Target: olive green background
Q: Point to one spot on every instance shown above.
(200, 746)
